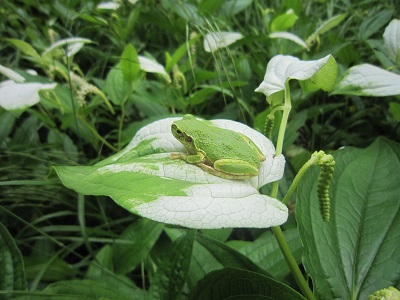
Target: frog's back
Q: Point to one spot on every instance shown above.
(222, 143)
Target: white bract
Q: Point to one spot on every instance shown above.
(108, 5)
(391, 38)
(73, 44)
(289, 36)
(16, 95)
(208, 201)
(151, 66)
(220, 39)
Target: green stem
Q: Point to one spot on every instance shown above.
(297, 179)
(294, 268)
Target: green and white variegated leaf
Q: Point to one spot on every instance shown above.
(321, 73)
(15, 96)
(368, 80)
(391, 38)
(220, 39)
(143, 179)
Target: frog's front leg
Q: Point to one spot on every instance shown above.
(189, 158)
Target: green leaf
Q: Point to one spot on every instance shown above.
(12, 276)
(117, 88)
(373, 24)
(53, 270)
(328, 25)
(284, 21)
(357, 252)
(394, 109)
(232, 283)
(171, 274)
(144, 180)
(134, 244)
(210, 255)
(25, 48)
(368, 80)
(89, 289)
(231, 8)
(129, 64)
(265, 252)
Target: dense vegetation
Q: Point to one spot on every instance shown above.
(94, 111)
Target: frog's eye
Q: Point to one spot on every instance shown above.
(188, 139)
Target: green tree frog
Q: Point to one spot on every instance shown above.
(221, 152)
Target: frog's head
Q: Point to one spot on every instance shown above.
(181, 130)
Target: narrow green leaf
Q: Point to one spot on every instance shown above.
(373, 24)
(230, 283)
(172, 272)
(134, 244)
(12, 275)
(25, 48)
(329, 24)
(357, 252)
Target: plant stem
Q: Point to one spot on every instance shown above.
(294, 268)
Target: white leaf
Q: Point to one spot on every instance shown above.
(369, 80)
(391, 39)
(220, 39)
(282, 68)
(11, 74)
(72, 48)
(289, 36)
(108, 5)
(211, 202)
(20, 95)
(150, 66)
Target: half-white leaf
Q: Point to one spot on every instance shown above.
(21, 95)
(282, 68)
(219, 39)
(151, 66)
(11, 74)
(289, 36)
(368, 80)
(391, 39)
